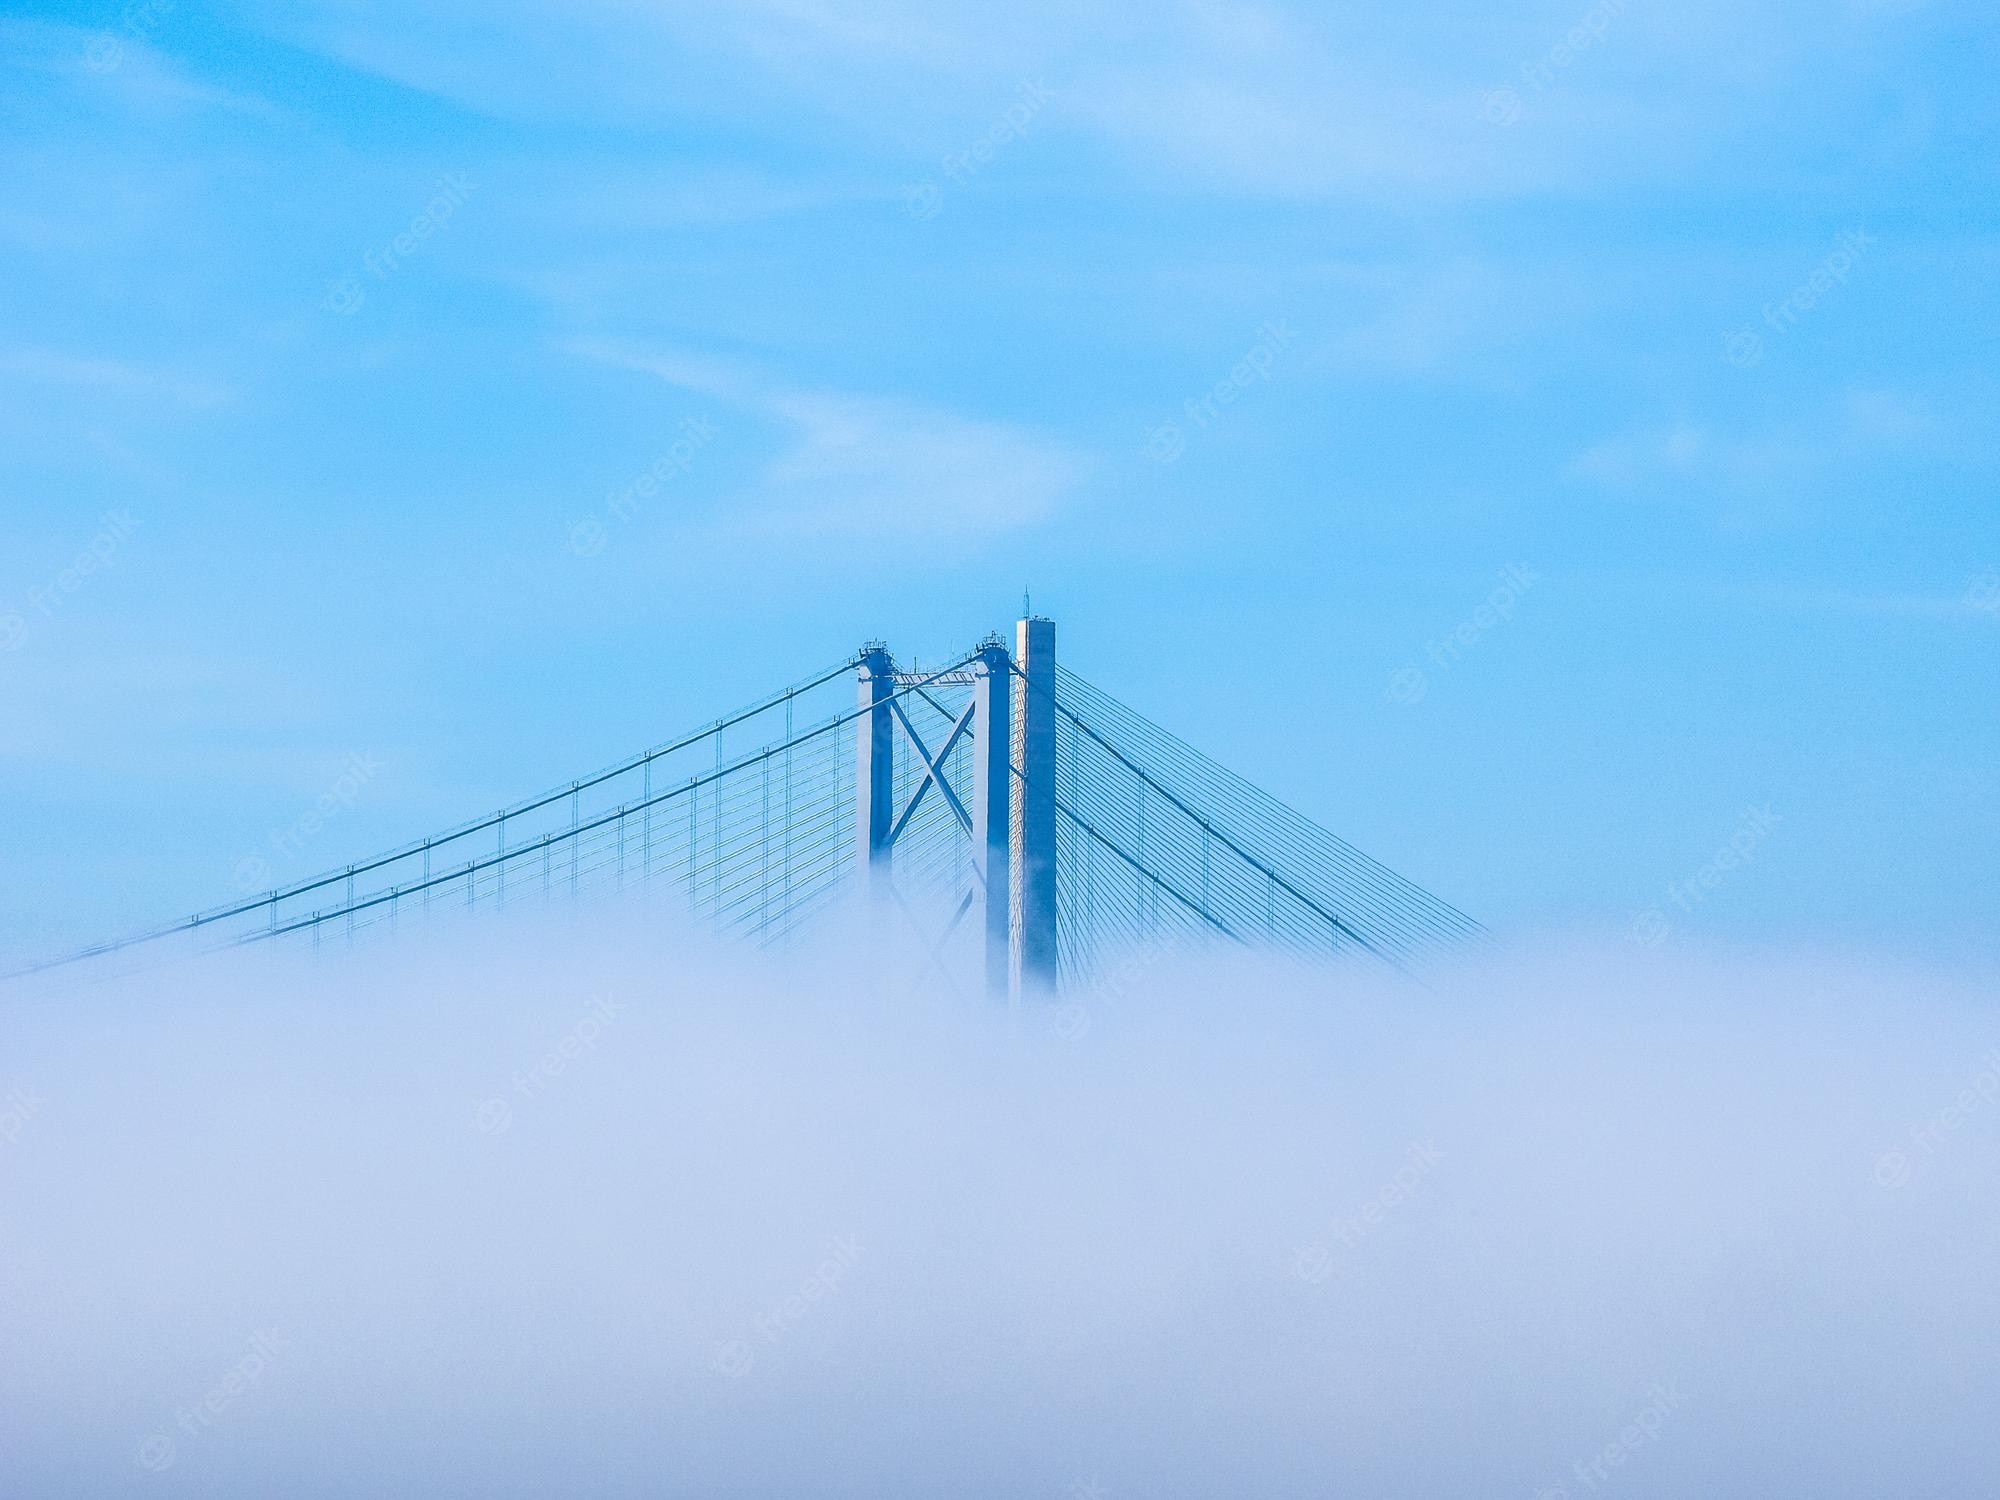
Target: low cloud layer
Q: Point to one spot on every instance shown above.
(576, 1216)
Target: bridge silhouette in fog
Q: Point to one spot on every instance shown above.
(998, 818)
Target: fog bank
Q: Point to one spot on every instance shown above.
(568, 1213)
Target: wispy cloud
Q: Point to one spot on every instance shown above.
(1625, 459)
(701, 196)
(852, 464)
(1256, 100)
(1856, 424)
(1961, 606)
(120, 64)
(59, 369)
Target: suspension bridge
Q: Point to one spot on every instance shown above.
(1022, 830)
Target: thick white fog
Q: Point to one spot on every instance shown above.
(571, 1215)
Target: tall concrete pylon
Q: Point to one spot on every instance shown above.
(1008, 811)
(874, 766)
(1032, 956)
(993, 794)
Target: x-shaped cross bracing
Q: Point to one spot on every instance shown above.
(933, 772)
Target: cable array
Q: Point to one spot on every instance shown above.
(754, 834)
(748, 826)
(1158, 840)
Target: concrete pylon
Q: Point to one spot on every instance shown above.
(992, 802)
(1032, 908)
(874, 766)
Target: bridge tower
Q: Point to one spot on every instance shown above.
(875, 769)
(1008, 810)
(993, 794)
(1032, 957)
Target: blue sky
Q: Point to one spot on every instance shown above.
(1261, 342)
